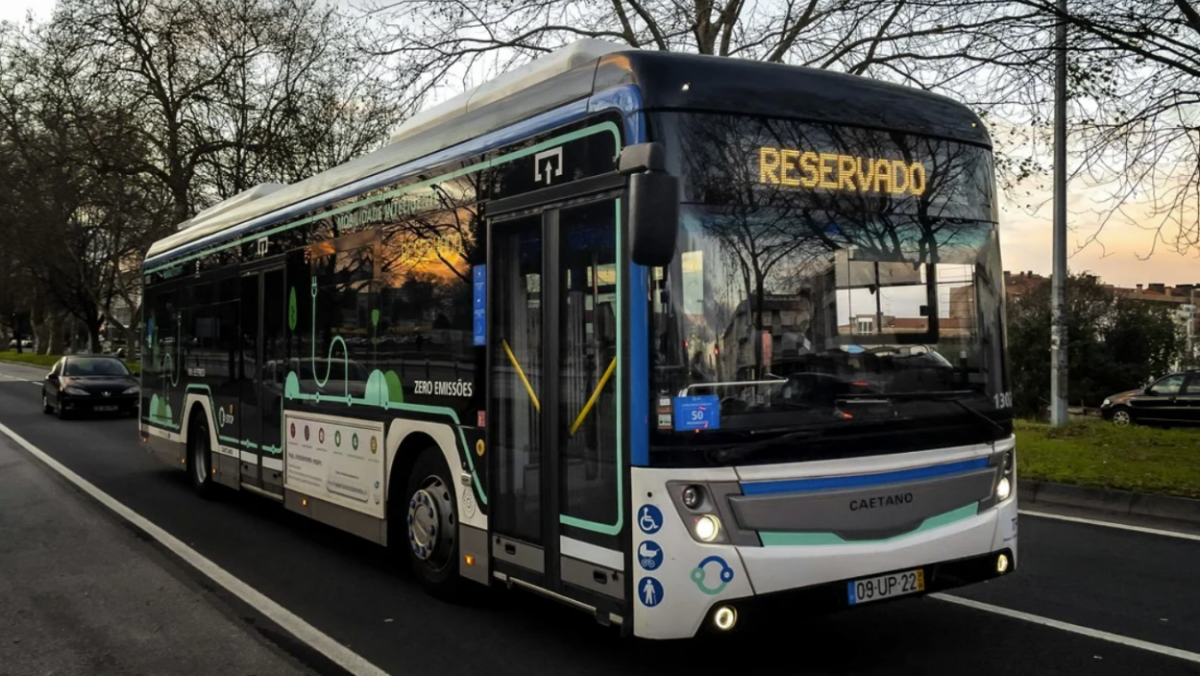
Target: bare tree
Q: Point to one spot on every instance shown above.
(1133, 79)
(75, 230)
(925, 43)
(228, 93)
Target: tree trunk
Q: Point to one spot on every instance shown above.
(132, 338)
(93, 330)
(37, 326)
(54, 333)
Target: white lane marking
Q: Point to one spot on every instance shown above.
(1111, 524)
(1073, 628)
(327, 646)
(21, 380)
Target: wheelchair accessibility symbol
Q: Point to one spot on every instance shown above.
(650, 519)
(700, 575)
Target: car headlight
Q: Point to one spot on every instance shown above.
(76, 391)
(1106, 402)
(132, 390)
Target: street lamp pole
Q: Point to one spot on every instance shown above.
(1058, 329)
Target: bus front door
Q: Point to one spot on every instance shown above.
(554, 405)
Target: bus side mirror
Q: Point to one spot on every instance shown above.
(653, 204)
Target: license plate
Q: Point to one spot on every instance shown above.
(886, 586)
(106, 408)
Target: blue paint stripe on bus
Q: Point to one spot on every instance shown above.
(628, 99)
(861, 480)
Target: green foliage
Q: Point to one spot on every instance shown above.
(1098, 454)
(47, 360)
(1114, 344)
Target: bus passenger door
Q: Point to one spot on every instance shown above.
(554, 404)
(260, 392)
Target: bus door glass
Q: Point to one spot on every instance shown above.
(514, 410)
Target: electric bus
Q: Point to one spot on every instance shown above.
(664, 337)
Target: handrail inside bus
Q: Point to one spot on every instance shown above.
(528, 388)
(587, 408)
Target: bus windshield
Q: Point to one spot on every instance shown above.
(816, 311)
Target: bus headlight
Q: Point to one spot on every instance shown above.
(708, 527)
(692, 495)
(1003, 489)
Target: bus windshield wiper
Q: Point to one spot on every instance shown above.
(935, 395)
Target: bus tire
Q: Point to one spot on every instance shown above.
(428, 526)
(199, 457)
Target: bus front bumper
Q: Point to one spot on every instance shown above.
(754, 612)
(774, 569)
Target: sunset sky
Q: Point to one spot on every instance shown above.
(1026, 239)
(1026, 243)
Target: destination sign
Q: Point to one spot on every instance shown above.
(848, 173)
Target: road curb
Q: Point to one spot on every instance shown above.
(1125, 503)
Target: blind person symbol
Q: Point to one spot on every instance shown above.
(650, 592)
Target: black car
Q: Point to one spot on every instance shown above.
(1170, 400)
(98, 384)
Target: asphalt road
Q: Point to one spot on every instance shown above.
(1134, 585)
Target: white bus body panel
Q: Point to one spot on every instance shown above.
(687, 595)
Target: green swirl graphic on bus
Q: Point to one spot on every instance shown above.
(382, 389)
(700, 575)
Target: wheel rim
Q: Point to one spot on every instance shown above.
(431, 523)
(1121, 418)
(198, 463)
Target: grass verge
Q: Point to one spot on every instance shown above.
(47, 360)
(1099, 454)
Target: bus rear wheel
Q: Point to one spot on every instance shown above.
(199, 458)
(430, 525)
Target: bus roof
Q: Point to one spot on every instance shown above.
(665, 80)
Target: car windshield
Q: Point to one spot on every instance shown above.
(82, 366)
(831, 313)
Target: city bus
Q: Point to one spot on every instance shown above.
(668, 338)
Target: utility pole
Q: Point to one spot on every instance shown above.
(1058, 329)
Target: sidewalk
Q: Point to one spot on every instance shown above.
(80, 594)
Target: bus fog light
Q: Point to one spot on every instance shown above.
(725, 618)
(708, 528)
(1003, 489)
(1002, 564)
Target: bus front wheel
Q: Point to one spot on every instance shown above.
(429, 529)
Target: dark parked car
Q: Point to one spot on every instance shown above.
(1170, 400)
(90, 384)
